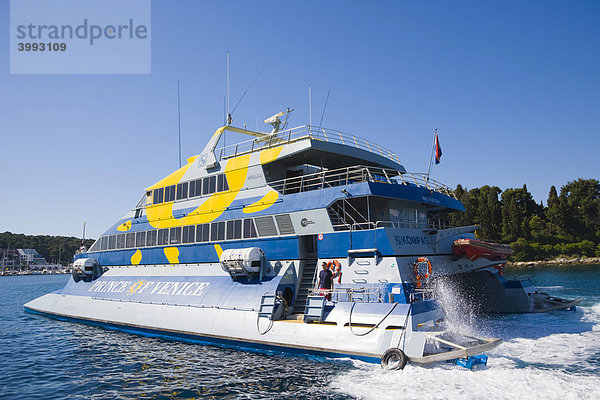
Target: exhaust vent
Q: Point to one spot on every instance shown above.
(265, 226)
(284, 223)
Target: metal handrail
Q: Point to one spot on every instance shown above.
(402, 223)
(300, 133)
(362, 294)
(357, 174)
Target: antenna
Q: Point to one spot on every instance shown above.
(83, 240)
(229, 120)
(179, 121)
(309, 105)
(287, 116)
(324, 107)
(246, 91)
(431, 156)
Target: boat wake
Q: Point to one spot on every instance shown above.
(554, 356)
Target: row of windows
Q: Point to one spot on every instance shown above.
(195, 188)
(216, 231)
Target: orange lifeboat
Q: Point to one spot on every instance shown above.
(474, 249)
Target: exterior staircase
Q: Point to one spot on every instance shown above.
(306, 283)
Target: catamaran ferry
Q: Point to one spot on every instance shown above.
(227, 250)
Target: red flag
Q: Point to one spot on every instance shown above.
(438, 150)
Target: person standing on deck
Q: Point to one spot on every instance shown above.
(325, 281)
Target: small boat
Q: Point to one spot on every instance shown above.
(474, 249)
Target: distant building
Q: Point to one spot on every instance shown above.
(31, 257)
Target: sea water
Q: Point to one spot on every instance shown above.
(552, 355)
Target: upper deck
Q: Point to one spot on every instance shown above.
(301, 181)
(327, 148)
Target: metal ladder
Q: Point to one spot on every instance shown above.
(306, 283)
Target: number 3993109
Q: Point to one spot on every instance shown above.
(42, 46)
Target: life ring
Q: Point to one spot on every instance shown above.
(500, 269)
(418, 276)
(336, 268)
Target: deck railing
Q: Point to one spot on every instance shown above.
(353, 295)
(300, 133)
(437, 223)
(357, 174)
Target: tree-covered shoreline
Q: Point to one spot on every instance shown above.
(48, 246)
(568, 226)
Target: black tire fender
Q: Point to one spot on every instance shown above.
(393, 359)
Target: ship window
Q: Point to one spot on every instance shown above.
(130, 240)
(212, 184)
(205, 185)
(217, 231)
(104, 243)
(189, 234)
(112, 242)
(95, 246)
(213, 231)
(237, 229)
(151, 238)
(158, 196)
(229, 230)
(121, 241)
(140, 239)
(169, 193)
(163, 237)
(196, 188)
(182, 191)
(202, 233)
(221, 231)
(222, 183)
(175, 235)
(249, 230)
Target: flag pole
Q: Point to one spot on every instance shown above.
(431, 156)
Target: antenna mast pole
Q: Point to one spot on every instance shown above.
(228, 109)
(431, 156)
(324, 107)
(310, 106)
(179, 121)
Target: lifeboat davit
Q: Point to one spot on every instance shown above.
(474, 249)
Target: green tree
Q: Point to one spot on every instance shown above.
(517, 207)
(580, 200)
(486, 211)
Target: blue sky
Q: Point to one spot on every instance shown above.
(511, 86)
